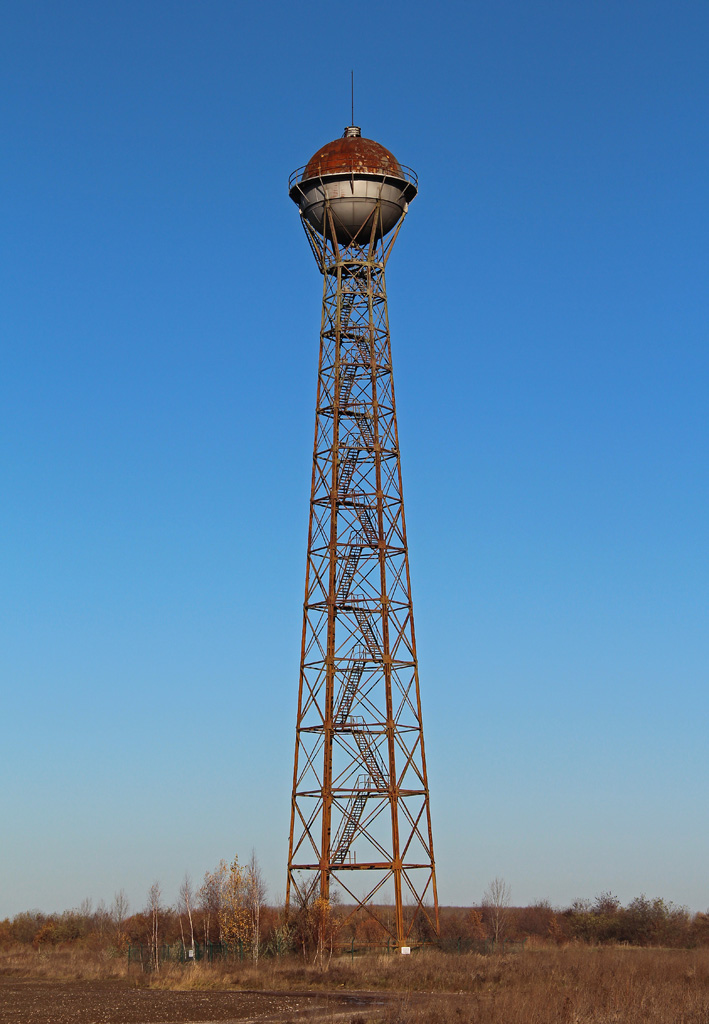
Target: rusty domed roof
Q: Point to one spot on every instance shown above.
(352, 154)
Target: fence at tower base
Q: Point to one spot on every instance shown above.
(141, 956)
(202, 952)
(458, 945)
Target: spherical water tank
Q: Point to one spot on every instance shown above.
(353, 175)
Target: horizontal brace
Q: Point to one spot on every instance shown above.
(371, 866)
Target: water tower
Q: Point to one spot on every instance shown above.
(360, 817)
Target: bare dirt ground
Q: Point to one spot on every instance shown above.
(27, 1001)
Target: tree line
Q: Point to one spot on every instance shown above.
(643, 921)
(230, 909)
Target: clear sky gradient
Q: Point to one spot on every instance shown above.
(158, 334)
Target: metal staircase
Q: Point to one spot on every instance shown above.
(346, 304)
(362, 343)
(368, 634)
(350, 820)
(364, 515)
(350, 566)
(375, 781)
(370, 755)
(348, 373)
(355, 670)
(347, 467)
(365, 428)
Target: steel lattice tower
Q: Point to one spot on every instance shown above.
(360, 790)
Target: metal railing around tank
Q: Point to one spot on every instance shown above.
(407, 174)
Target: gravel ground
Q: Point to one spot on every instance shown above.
(107, 1002)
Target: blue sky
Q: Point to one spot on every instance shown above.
(158, 333)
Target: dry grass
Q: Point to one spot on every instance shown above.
(62, 964)
(574, 985)
(568, 985)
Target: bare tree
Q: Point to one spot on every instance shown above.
(209, 896)
(120, 908)
(153, 908)
(178, 914)
(102, 916)
(496, 903)
(186, 902)
(256, 895)
(83, 915)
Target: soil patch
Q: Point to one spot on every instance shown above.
(113, 1002)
